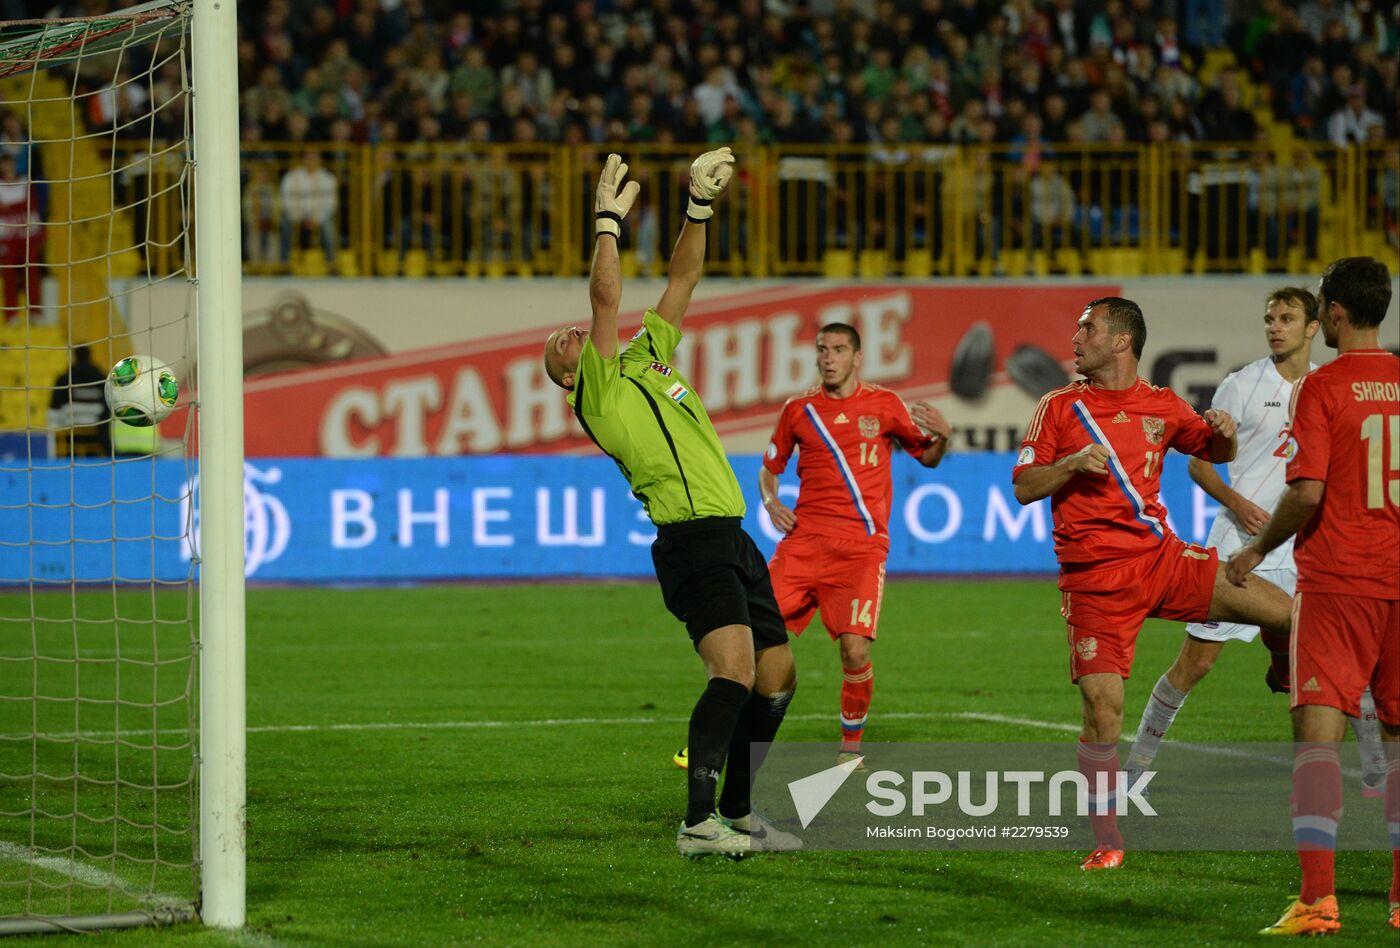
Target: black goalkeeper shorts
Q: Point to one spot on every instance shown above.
(712, 575)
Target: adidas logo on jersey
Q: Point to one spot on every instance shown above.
(1311, 685)
(1121, 418)
(841, 419)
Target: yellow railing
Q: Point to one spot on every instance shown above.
(913, 210)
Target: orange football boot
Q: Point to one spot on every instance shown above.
(1320, 918)
(1103, 859)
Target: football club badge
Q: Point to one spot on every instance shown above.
(1154, 428)
(869, 426)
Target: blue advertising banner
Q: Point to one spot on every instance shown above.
(502, 517)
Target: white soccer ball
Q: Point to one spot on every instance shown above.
(141, 390)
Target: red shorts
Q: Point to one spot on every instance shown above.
(1104, 606)
(843, 578)
(1341, 645)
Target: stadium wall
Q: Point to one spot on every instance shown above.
(404, 368)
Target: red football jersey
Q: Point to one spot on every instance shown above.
(1104, 517)
(844, 458)
(1346, 426)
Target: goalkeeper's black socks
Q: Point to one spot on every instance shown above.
(758, 724)
(712, 725)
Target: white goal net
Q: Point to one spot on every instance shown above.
(99, 638)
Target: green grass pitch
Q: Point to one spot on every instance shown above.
(491, 764)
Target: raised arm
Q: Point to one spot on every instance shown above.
(605, 294)
(709, 174)
(605, 280)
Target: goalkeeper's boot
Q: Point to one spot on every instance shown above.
(712, 837)
(1373, 786)
(1103, 859)
(1278, 685)
(763, 835)
(1395, 915)
(845, 757)
(682, 758)
(1320, 918)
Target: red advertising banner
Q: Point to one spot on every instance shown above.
(745, 353)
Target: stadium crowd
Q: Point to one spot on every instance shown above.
(1036, 79)
(789, 71)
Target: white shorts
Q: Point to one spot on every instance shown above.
(1285, 579)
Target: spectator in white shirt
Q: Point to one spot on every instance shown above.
(709, 95)
(1352, 123)
(310, 199)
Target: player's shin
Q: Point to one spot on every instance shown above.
(1097, 759)
(1367, 728)
(1276, 641)
(712, 725)
(758, 724)
(1317, 810)
(1162, 706)
(1392, 814)
(857, 686)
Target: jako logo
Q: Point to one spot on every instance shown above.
(266, 526)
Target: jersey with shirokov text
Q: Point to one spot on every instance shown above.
(843, 462)
(1257, 397)
(1104, 517)
(1346, 424)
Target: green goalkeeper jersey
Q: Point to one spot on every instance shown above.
(643, 413)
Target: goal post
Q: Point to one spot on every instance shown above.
(218, 270)
(122, 671)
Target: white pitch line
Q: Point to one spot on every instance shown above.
(550, 722)
(1198, 748)
(654, 720)
(449, 725)
(1023, 722)
(86, 874)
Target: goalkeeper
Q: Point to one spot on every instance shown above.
(640, 410)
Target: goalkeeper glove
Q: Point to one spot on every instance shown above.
(708, 176)
(610, 206)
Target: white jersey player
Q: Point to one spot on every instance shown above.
(1258, 397)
